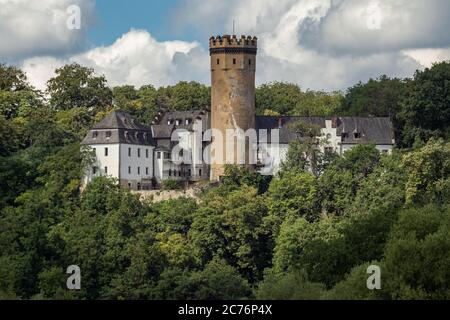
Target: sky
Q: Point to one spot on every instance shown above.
(318, 44)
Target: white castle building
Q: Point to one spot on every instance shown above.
(141, 156)
(179, 145)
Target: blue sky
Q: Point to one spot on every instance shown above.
(116, 17)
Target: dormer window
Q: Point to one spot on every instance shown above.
(170, 121)
(188, 121)
(108, 134)
(94, 134)
(177, 122)
(357, 135)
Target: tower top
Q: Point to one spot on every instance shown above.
(219, 43)
(233, 41)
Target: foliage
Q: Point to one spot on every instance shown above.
(75, 86)
(289, 99)
(308, 233)
(171, 184)
(428, 173)
(288, 286)
(425, 111)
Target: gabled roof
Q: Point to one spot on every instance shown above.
(370, 130)
(119, 119)
(119, 127)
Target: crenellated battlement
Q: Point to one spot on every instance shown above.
(227, 41)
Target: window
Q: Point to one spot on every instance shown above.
(146, 153)
(170, 121)
(129, 152)
(95, 150)
(139, 152)
(108, 134)
(129, 185)
(146, 170)
(167, 155)
(94, 134)
(188, 121)
(249, 62)
(200, 172)
(179, 173)
(106, 170)
(94, 170)
(170, 172)
(177, 122)
(189, 172)
(106, 152)
(139, 170)
(158, 155)
(234, 61)
(218, 61)
(357, 135)
(129, 169)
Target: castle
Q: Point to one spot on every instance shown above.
(195, 145)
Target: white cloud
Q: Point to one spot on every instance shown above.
(136, 58)
(426, 57)
(332, 44)
(29, 28)
(319, 44)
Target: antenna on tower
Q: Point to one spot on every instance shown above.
(233, 27)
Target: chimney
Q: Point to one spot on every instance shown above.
(334, 122)
(280, 122)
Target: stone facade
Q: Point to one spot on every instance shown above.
(233, 66)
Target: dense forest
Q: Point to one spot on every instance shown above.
(297, 235)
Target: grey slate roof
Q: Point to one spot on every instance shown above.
(371, 130)
(119, 119)
(119, 127)
(286, 132)
(122, 128)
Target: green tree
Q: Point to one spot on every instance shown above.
(341, 180)
(425, 112)
(288, 286)
(232, 227)
(417, 256)
(428, 173)
(185, 96)
(217, 281)
(289, 99)
(293, 195)
(75, 86)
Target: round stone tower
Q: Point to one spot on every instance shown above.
(233, 65)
